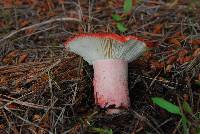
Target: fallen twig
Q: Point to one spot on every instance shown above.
(38, 25)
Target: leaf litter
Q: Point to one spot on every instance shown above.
(46, 89)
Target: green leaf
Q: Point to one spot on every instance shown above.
(187, 108)
(166, 105)
(198, 130)
(121, 27)
(116, 17)
(103, 130)
(127, 6)
(184, 122)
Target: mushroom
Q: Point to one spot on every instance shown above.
(109, 54)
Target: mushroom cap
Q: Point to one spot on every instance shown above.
(94, 47)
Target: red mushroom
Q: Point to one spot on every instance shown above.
(109, 54)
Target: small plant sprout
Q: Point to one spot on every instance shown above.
(186, 111)
(109, 54)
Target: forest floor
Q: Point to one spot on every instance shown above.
(46, 89)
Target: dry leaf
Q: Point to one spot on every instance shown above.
(41, 131)
(29, 31)
(12, 53)
(174, 41)
(3, 80)
(18, 2)
(7, 3)
(2, 126)
(155, 65)
(36, 118)
(114, 3)
(8, 59)
(51, 14)
(61, 1)
(23, 22)
(179, 36)
(134, 2)
(32, 2)
(182, 53)
(19, 90)
(22, 57)
(184, 59)
(196, 53)
(12, 106)
(157, 28)
(171, 60)
(2, 24)
(194, 42)
(147, 55)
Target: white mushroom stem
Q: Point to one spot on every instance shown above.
(111, 85)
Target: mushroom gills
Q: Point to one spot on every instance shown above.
(94, 48)
(130, 50)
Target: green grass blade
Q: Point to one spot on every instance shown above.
(166, 105)
(187, 108)
(102, 130)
